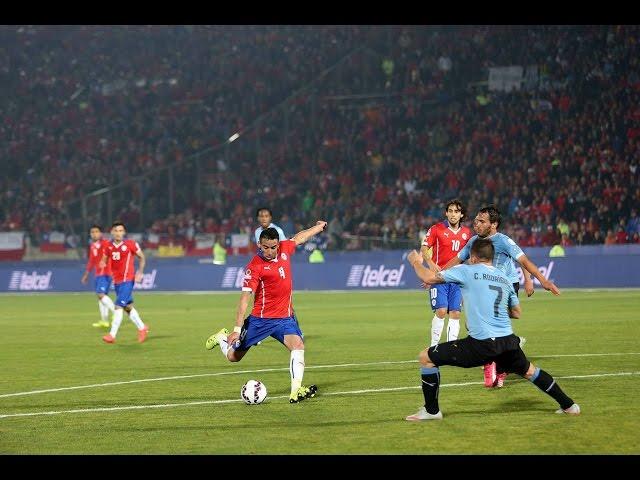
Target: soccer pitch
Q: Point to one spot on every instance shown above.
(62, 390)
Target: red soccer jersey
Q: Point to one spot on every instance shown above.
(270, 281)
(446, 243)
(120, 257)
(96, 251)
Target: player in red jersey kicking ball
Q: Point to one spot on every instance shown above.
(120, 253)
(268, 276)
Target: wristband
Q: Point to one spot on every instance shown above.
(237, 329)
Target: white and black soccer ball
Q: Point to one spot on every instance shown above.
(253, 392)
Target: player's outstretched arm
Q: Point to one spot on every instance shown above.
(245, 297)
(426, 254)
(528, 282)
(304, 235)
(143, 262)
(427, 276)
(533, 270)
(452, 263)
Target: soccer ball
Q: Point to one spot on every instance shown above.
(253, 392)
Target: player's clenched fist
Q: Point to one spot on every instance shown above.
(322, 223)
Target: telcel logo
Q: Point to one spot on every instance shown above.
(545, 271)
(29, 281)
(148, 281)
(367, 276)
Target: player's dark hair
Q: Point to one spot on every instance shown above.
(456, 202)
(494, 214)
(269, 234)
(263, 208)
(483, 249)
(118, 224)
(95, 225)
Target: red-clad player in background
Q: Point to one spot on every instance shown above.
(119, 254)
(102, 275)
(445, 240)
(268, 277)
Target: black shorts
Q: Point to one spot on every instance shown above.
(516, 287)
(469, 352)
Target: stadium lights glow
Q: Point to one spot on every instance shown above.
(234, 137)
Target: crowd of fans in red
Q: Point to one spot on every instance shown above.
(91, 106)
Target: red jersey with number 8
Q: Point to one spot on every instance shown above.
(270, 281)
(121, 258)
(446, 242)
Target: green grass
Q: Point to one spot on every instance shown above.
(47, 342)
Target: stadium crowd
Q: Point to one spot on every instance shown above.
(559, 157)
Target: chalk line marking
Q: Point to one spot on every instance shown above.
(218, 402)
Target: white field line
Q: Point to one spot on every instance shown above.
(349, 392)
(279, 369)
(215, 374)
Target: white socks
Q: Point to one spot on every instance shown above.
(437, 325)
(117, 320)
(135, 318)
(296, 369)
(104, 312)
(108, 303)
(224, 346)
(453, 329)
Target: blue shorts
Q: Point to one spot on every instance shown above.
(124, 293)
(256, 329)
(103, 284)
(446, 295)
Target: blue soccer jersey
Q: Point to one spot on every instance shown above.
(487, 294)
(259, 230)
(506, 254)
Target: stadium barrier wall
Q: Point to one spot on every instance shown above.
(599, 267)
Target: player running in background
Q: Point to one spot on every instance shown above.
(490, 301)
(268, 277)
(444, 240)
(264, 216)
(120, 253)
(102, 275)
(507, 252)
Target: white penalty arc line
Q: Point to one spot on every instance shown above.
(219, 402)
(279, 369)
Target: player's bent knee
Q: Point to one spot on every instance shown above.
(441, 312)
(530, 371)
(425, 361)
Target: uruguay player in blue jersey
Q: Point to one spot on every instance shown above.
(264, 216)
(490, 301)
(508, 252)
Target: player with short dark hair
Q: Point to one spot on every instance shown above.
(120, 253)
(486, 224)
(268, 277)
(265, 217)
(102, 279)
(490, 301)
(442, 242)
